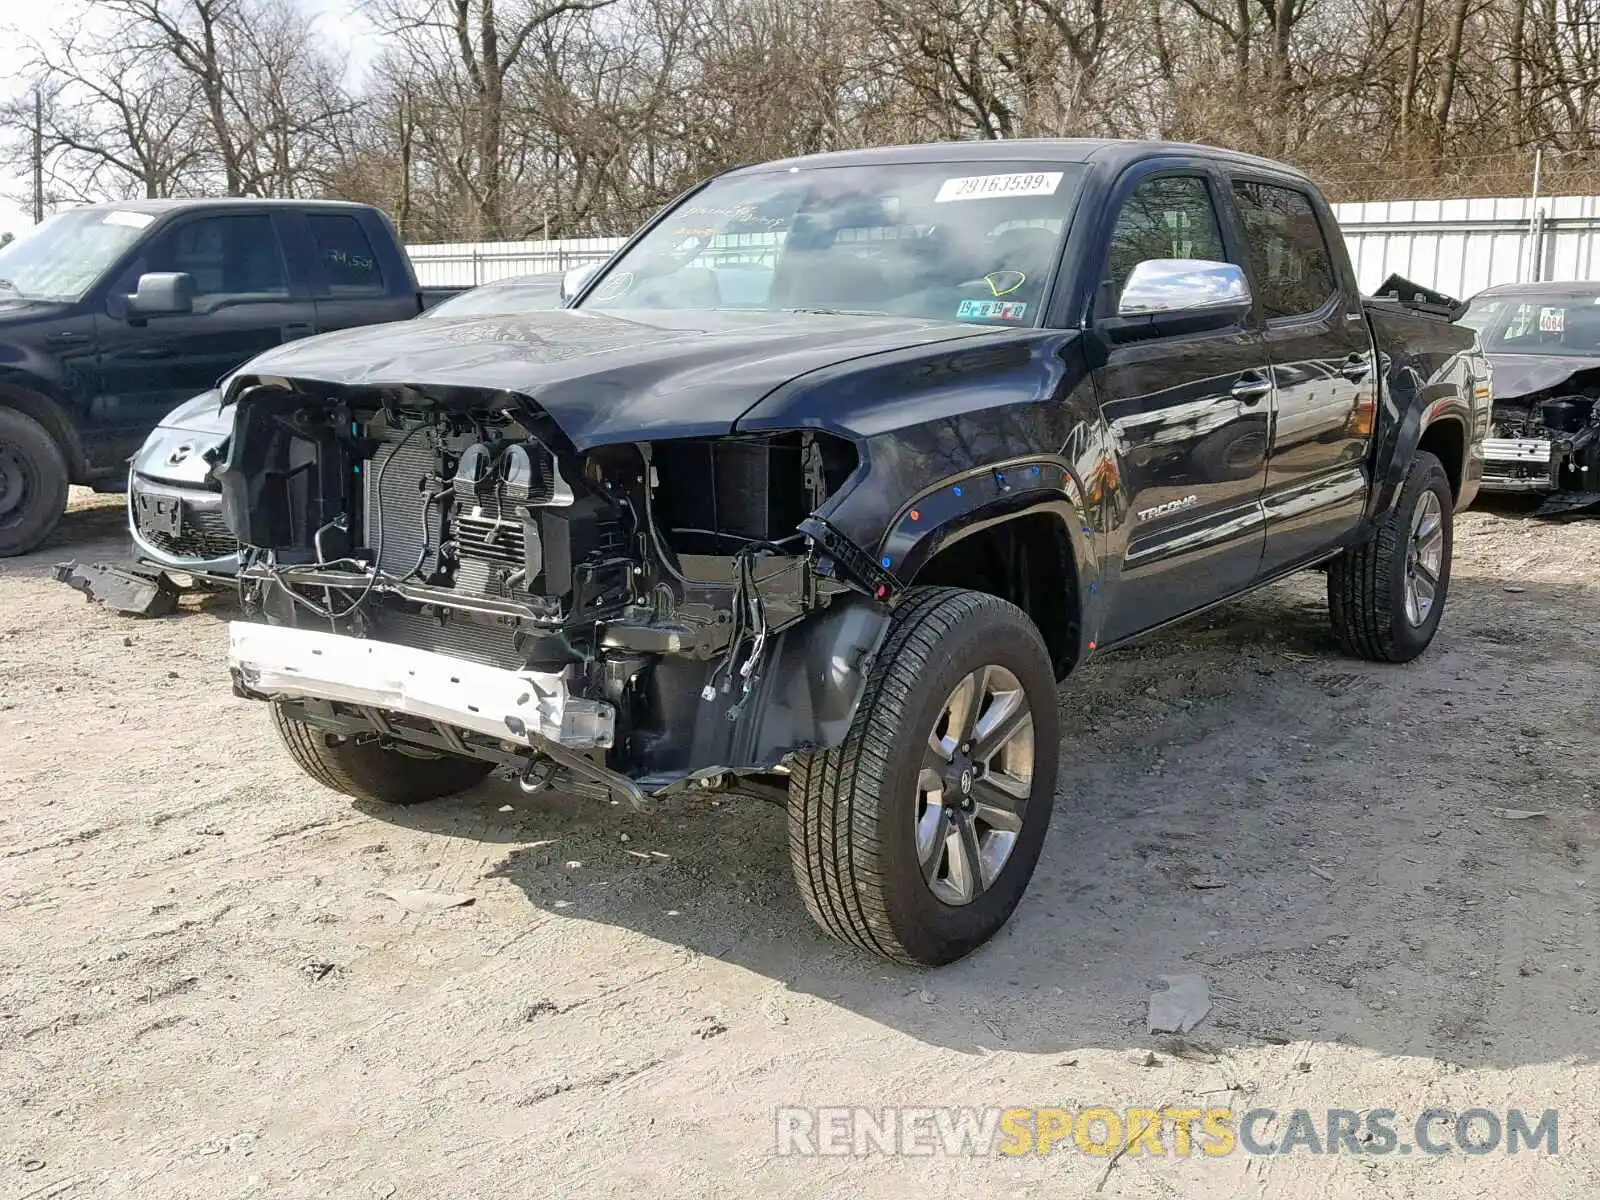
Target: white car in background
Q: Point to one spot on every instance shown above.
(175, 507)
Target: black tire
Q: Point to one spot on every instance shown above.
(369, 771)
(853, 809)
(1367, 584)
(33, 483)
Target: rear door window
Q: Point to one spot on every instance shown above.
(1290, 266)
(346, 256)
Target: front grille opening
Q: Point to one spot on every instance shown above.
(202, 534)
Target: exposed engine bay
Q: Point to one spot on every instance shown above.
(1545, 442)
(446, 574)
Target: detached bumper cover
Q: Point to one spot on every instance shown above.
(526, 707)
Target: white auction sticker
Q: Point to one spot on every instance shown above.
(133, 220)
(1552, 320)
(985, 187)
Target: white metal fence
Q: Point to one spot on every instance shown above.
(467, 264)
(1462, 246)
(1456, 246)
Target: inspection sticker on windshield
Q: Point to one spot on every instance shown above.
(1552, 320)
(991, 310)
(133, 220)
(987, 187)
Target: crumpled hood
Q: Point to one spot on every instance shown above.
(603, 377)
(1525, 374)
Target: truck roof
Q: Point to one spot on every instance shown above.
(180, 203)
(1110, 152)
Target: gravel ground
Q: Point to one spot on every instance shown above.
(204, 991)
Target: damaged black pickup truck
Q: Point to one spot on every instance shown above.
(824, 482)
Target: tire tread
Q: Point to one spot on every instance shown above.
(371, 772)
(1361, 580)
(834, 794)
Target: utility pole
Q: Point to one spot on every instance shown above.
(1535, 221)
(38, 156)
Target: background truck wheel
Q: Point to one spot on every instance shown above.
(33, 483)
(1387, 596)
(369, 771)
(916, 837)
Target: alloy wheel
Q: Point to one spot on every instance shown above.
(974, 784)
(1424, 558)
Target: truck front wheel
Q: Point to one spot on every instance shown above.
(370, 771)
(1386, 597)
(916, 837)
(33, 483)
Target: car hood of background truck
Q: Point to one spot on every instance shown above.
(1524, 374)
(601, 376)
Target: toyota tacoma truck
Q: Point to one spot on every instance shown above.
(113, 314)
(820, 486)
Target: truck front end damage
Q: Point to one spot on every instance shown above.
(440, 571)
(1544, 435)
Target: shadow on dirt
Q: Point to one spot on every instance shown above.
(1309, 833)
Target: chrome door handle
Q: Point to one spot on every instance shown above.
(1251, 388)
(1355, 368)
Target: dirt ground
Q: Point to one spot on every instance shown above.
(203, 992)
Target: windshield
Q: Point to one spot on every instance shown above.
(948, 241)
(1536, 324)
(499, 299)
(62, 258)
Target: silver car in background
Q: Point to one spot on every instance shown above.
(175, 507)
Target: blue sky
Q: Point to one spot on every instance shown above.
(336, 20)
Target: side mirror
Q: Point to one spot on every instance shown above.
(1185, 287)
(161, 294)
(574, 280)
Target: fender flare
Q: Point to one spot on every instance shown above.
(983, 498)
(1395, 458)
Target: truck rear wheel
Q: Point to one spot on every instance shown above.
(916, 837)
(370, 771)
(33, 483)
(1386, 597)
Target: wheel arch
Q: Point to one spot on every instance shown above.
(53, 417)
(1028, 555)
(1446, 440)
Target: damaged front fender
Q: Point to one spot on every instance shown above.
(811, 685)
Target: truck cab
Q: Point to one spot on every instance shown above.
(113, 314)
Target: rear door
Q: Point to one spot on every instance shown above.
(1188, 416)
(1320, 347)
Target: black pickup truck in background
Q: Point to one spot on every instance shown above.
(114, 314)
